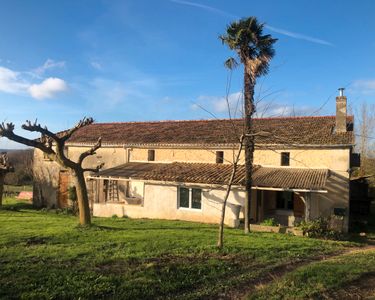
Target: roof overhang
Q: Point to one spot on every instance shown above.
(217, 175)
(211, 146)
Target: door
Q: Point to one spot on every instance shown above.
(298, 207)
(63, 189)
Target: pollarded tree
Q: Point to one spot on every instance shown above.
(5, 168)
(53, 145)
(255, 51)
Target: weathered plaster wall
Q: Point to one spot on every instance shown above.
(334, 159)
(337, 197)
(337, 160)
(46, 181)
(160, 202)
(111, 157)
(181, 155)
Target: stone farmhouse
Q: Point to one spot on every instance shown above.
(179, 169)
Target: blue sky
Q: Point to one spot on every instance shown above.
(136, 60)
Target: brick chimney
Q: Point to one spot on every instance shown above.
(341, 111)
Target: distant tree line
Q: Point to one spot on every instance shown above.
(22, 161)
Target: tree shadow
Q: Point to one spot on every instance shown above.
(17, 206)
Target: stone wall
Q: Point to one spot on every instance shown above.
(46, 181)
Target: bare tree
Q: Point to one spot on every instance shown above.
(22, 161)
(53, 145)
(227, 192)
(5, 168)
(366, 128)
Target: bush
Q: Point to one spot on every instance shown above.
(72, 193)
(319, 228)
(269, 222)
(69, 211)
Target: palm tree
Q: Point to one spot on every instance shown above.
(255, 51)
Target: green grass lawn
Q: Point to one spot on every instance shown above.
(332, 279)
(44, 255)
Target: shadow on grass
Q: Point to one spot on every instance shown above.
(16, 206)
(132, 228)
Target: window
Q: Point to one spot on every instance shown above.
(184, 197)
(285, 200)
(219, 157)
(190, 198)
(285, 158)
(151, 155)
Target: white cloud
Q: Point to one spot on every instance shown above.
(20, 83)
(269, 109)
(205, 7)
(49, 64)
(48, 88)
(364, 86)
(219, 105)
(96, 65)
(217, 11)
(12, 82)
(298, 36)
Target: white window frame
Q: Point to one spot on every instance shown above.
(190, 198)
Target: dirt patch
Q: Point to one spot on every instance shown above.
(119, 266)
(34, 241)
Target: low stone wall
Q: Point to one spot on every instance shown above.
(265, 228)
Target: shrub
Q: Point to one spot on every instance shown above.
(319, 228)
(72, 192)
(269, 222)
(66, 211)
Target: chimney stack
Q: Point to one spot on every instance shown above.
(341, 111)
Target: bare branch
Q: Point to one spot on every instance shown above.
(7, 130)
(90, 151)
(35, 127)
(260, 133)
(82, 123)
(5, 166)
(95, 170)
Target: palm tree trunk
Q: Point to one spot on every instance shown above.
(249, 140)
(82, 198)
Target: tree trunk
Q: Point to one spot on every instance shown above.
(229, 187)
(82, 198)
(249, 139)
(1, 188)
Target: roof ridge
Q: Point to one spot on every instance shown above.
(212, 120)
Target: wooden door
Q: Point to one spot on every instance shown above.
(298, 206)
(63, 189)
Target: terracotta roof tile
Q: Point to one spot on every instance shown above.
(286, 178)
(289, 130)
